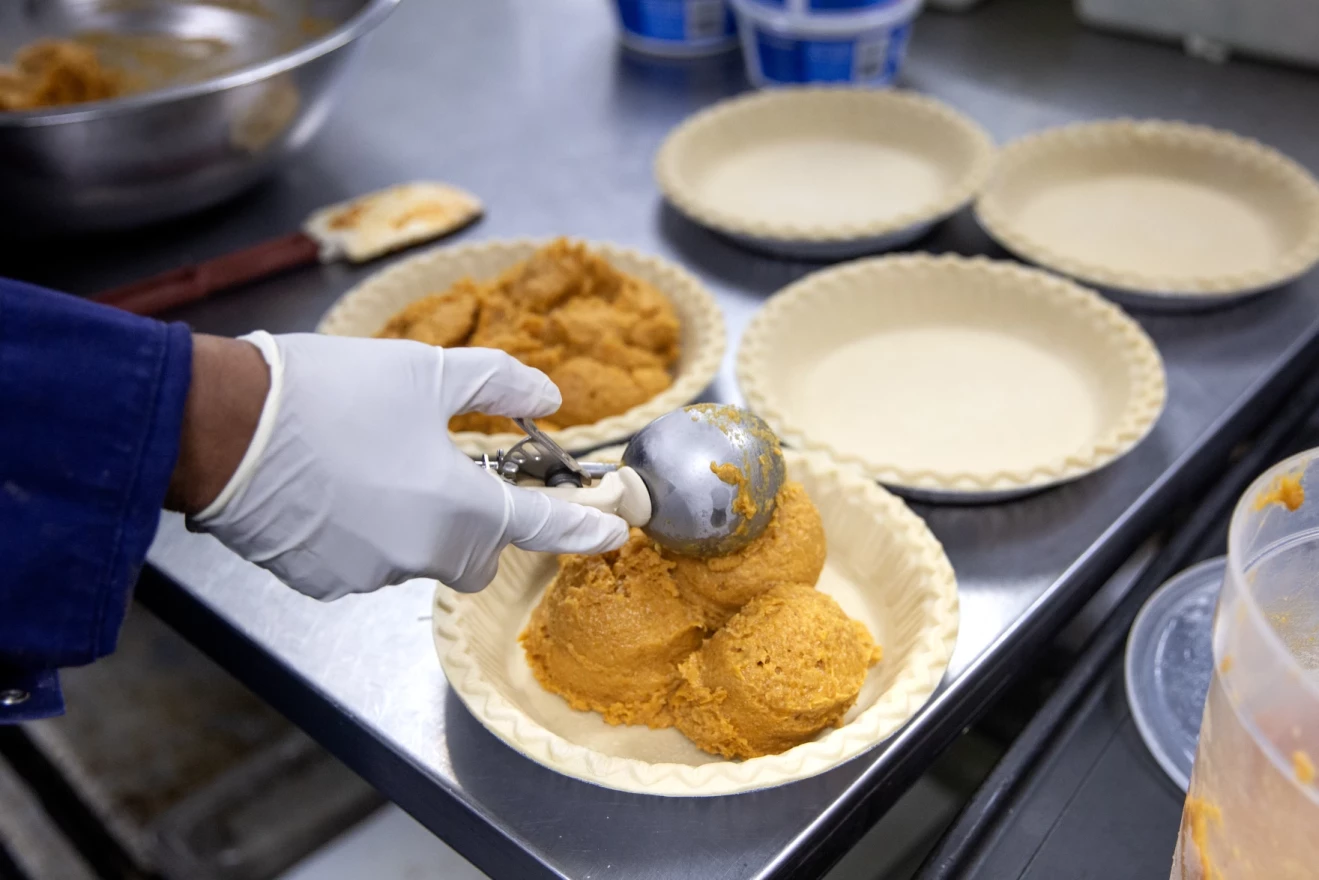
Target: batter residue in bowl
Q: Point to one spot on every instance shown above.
(621, 634)
(99, 65)
(51, 73)
(605, 338)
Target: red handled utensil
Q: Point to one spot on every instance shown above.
(359, 229)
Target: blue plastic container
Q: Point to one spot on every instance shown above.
(677, 28)
(854, 48)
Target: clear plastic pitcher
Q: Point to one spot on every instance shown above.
(1253, 808)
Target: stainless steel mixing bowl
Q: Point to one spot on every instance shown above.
(190, 144)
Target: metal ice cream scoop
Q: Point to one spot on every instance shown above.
(700, 481)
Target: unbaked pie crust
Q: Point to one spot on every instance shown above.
(952, 377)
(824, 172)
(1163, 212)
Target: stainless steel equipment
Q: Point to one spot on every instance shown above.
(189, 774)
(711, 473)
(195, 140)
(1280, 30)
(555, 129)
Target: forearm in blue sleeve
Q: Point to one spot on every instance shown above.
(91, 403)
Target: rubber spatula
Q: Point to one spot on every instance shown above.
(358, 230)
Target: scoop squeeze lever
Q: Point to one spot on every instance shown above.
(619, 492)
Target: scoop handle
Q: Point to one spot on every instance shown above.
(620, 492)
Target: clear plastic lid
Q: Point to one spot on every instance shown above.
(1169, 663)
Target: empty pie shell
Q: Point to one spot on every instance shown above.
(952, 378)
(1158, 213)
(884, 567)
(824, 173)
(363, 310)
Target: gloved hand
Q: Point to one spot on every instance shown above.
(351, 481)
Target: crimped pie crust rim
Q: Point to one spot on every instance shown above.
(904, 698)
(354, 314)
(725, 113)
(1019, 155)
(1143, 363)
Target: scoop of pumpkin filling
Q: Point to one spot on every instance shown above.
(610, 631)
(781, 670)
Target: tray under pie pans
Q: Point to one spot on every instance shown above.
(951, 378)
(363, 310)
(884, 567)
(1158, 214)
(824, 173)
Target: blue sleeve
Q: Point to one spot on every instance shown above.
(91, 403)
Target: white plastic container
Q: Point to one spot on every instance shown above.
(863, 48)
(676, 28)
(825, 7)
(1285, 30)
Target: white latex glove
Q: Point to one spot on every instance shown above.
(351, 482)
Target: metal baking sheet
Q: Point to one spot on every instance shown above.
(533, 107)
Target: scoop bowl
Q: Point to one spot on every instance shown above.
(713, 473)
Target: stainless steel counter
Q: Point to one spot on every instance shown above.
(531, 105)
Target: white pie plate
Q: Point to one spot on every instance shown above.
(363, 310)
(951, 378)
(824, 173)
(884, 567)
(1157, 214)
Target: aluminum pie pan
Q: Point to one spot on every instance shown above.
(829, 251)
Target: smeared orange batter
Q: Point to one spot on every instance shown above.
(784, 668)
(743, 505)
(605, 338)
(729, 420)
(1303, 767)
(1199, 813)
(1285, 490)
